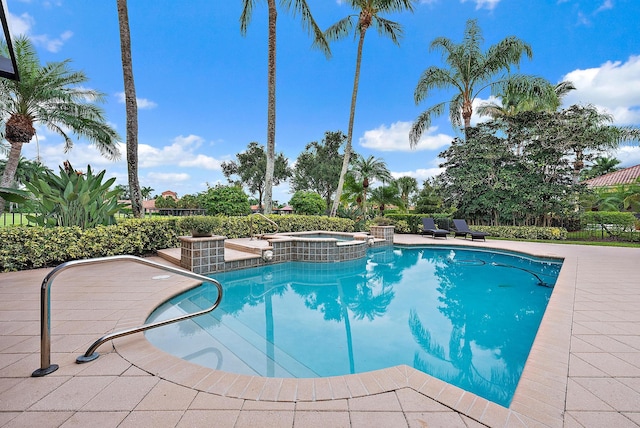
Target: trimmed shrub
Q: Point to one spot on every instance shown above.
(25, 247)
(524, 232)
(620, 220)
(414, 221)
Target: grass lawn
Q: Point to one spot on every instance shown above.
(11, 219)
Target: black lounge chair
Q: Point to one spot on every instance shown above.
(462, 229)
(429, 228)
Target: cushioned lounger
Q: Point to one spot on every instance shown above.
(429, 228)
(462, 229)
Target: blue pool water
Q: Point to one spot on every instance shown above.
(467, 317)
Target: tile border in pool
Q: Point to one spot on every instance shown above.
(539, 397)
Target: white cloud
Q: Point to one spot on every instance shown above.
(52, 45)
(396, 138)
(628, 156)
(168, 177)
(606, 5)
(142, 103)
(181, 153)
(614, 87)
(419, 174)
(20, 25)
(23, 24)
(487, 4)
(475, 118)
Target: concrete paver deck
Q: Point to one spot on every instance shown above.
(583, 370)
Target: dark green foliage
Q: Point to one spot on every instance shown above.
(73, 198)
(225, 200)
(251, 166)
(318, 167)
(308, 203)
(611, 221)
(428, 200)
(199, 224)
(189, 201)
(166, 202)
(36, 247)
(414, 221)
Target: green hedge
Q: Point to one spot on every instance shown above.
(30, 247)
(412, 223)
(524, 232)
(620, 219)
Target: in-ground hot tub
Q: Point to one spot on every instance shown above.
(319, 246)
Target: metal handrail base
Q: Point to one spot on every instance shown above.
(45, 309)
(43, 372)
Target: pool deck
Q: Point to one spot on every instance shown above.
(583, 369)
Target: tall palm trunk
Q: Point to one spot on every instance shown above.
(352, 115)
(271, 109)
(10, 170)
(131, 108)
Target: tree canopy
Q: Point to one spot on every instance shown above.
(250, 167)
(317, 168)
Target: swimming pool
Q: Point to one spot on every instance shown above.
(465, 316)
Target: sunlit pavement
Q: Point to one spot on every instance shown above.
(583, 370)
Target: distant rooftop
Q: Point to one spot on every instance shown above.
(623, 176)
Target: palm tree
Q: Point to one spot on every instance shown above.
(49, 95)
(131, 108)
(353, 191)
(470, 72)
(407, 186)
(367, 170)
(297, 6)
(543, 96)
(522, 94)
(369, 14)
(146, 192)
(387, 195)
(590, 130)
(26, 171)
(602, 165)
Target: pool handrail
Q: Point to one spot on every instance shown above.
(45, 309)
(263, 216)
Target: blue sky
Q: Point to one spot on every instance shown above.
(202, 87)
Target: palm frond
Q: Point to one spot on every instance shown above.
(245, 16)
(388, 28)
(308, 23)
(341, 28)
(433, 78)
(455, 109)
(423, 122)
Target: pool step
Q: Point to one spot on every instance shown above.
(248, 245)
(225, 339)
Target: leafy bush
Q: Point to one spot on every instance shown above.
(165, 202)
(199, 224)
(621, 219)
(225, 200)
(524, 232)
(308, 203)
(73, 198)
(35, 247)
(414, 221)
(613, 222)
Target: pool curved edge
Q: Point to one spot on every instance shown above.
(539, 397)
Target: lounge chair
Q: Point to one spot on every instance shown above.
(429, 228)
(462, 229)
